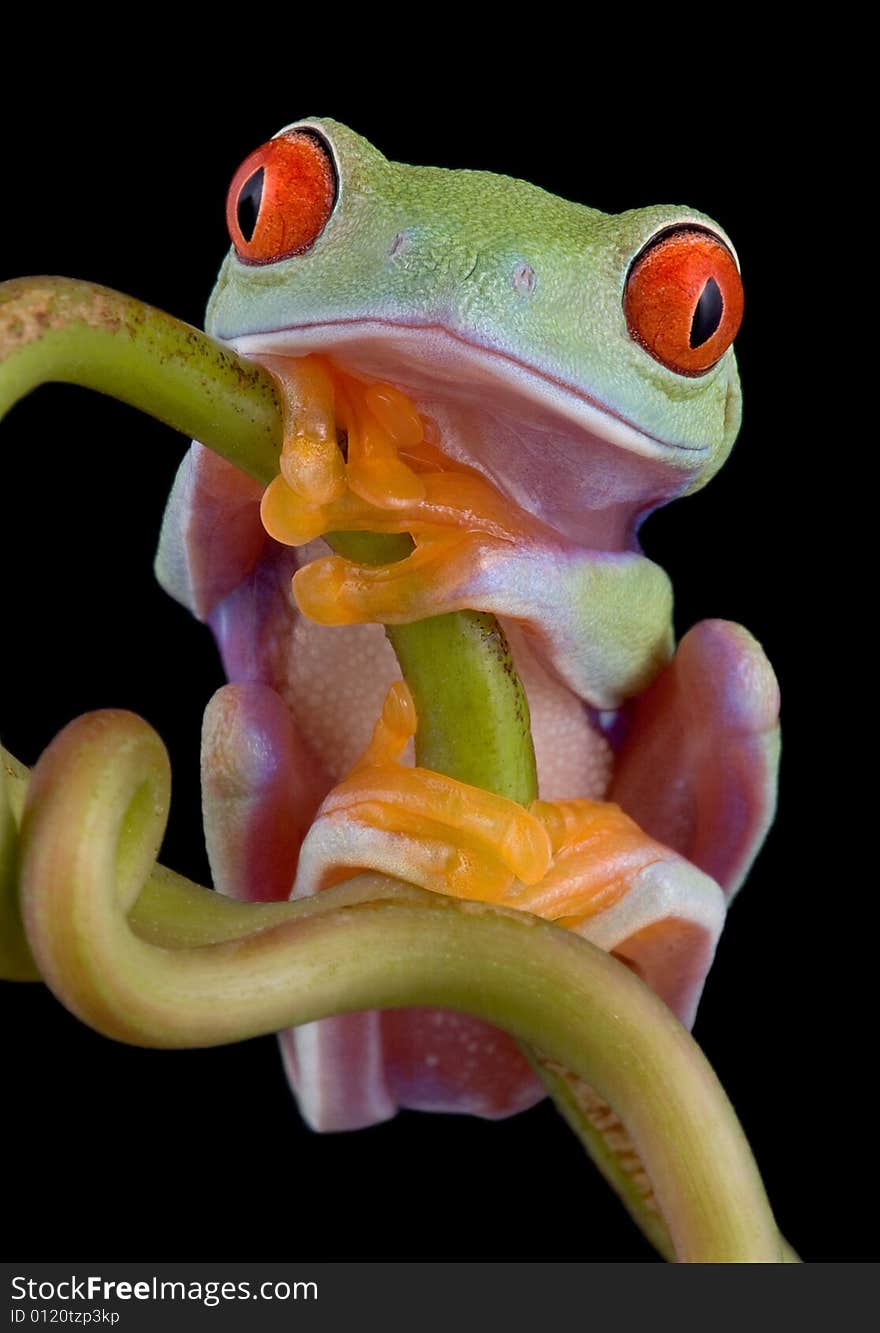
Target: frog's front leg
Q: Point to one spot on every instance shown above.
(602, 618)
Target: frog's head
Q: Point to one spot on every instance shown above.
(581, 360)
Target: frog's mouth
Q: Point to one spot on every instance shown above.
(577, 465)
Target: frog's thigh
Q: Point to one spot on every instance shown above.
(666, 928)
(634, 897)
(624, 892)
(357, 1069)
(336, 1068)
(261, 787)
(260, 790)
(699, 766)
(582, 863)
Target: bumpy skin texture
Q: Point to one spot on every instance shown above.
(430, 248)
(498, 310)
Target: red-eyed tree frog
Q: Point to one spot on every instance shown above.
(515, 381)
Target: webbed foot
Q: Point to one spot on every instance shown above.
(582, 863)
(602, 617)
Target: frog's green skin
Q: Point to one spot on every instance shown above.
(499, 309)
(428, 248)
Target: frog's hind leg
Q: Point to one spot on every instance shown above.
(260, 790)
(630, 894)
(699, 765)
(418, 825)
(581, 863)
(584, 864)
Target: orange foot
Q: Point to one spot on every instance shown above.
(394, 479)
(582, 863)
(604, 619)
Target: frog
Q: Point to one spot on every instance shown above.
(514, 381)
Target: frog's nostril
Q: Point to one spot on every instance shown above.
(523, 278)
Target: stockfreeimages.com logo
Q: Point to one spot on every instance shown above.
(96, 1288)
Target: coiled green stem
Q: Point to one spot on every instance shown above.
(93, 820)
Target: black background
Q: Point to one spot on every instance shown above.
(118, 1152)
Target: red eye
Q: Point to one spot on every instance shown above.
(684, 300)
(280, 198)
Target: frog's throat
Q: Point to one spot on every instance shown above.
(557, 453)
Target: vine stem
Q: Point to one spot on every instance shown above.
(93, 820)
(62, 329)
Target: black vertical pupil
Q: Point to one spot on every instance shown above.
(707, 315)
(249, 199)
